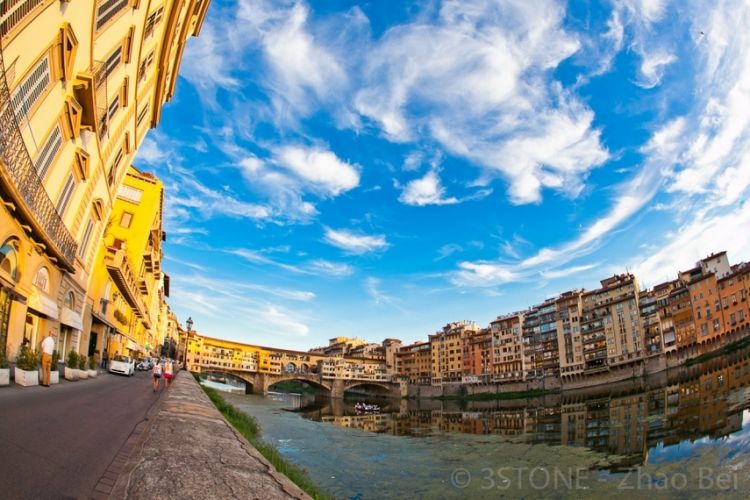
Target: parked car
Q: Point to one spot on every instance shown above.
(145, 364)
(124, 365)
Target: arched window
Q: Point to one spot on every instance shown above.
(70, 301)
(9, 258)
(41, 280)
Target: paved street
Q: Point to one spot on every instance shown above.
(57, 442)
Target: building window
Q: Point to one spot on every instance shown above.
(114, 106)
(153, 21)
(142, 114)
(65, 194)
(9, 258)
(85, 239)
(131, 194)
(112, 62)
(126, 219)
(145, 64)
(41, 280)
(70, 300)
(49, 151)
(31, 89)
(108, 9)
(13, 14)
(113, 168)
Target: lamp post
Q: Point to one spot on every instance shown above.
(189, 324)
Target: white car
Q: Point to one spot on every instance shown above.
(124, 365)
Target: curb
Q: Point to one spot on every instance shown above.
(117, 467)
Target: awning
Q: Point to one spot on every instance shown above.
(43, 303)
(71, 318)
(101, 319)
(132, 345)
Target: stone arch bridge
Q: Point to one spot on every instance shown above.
(258, 383)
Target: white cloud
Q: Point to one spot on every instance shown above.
(275, 319)
(353, 242)
(694, 240)
(427, 190)
(327, 268)
(293, 172)
(448, 250)
(653, 66)
(320, 169)
(150, 153)
(300, 65)
(479, 81)
(208, 62)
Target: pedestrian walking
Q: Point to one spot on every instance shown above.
(48, 347)
(168, 372)
(156, 372)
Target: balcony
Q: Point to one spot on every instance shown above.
(90, 91)
(121, 272)
(19, 179)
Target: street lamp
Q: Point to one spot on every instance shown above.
(189, 324)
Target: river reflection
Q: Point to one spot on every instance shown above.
(623, 420)
(681, 424)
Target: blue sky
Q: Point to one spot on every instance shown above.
(380, 169)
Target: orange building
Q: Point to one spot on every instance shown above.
(733, 295)
(477, 354)
(707, 311)
(507, 347)
(414, 362)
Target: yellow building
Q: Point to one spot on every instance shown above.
(82, 81)
(127, 285)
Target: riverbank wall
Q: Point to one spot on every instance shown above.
(189, 451)
(638, 371)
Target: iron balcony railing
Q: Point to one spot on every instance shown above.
(17, 169)
(121, 272)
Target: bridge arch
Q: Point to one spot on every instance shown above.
(250, 382)
(297, 377)
(380, 388)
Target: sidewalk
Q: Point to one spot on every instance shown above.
(189, 451)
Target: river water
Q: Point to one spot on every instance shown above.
(682, 434)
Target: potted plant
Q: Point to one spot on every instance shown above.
(92, 367)
(83, 373)
(4, 370)
(54, 375)
(26, 367)
(71, 366)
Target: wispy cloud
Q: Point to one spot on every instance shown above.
(448, 250)
(355, 243)
(327, 268)
(484, 71)
(315, 267)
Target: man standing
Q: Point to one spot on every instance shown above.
(48, 346)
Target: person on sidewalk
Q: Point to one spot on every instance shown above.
(48, 347)
(168, 372)
(156, 372)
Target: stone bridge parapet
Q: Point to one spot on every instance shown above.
(335, 388)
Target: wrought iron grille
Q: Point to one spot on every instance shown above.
(18, 166)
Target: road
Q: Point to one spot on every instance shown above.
(57, 442)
